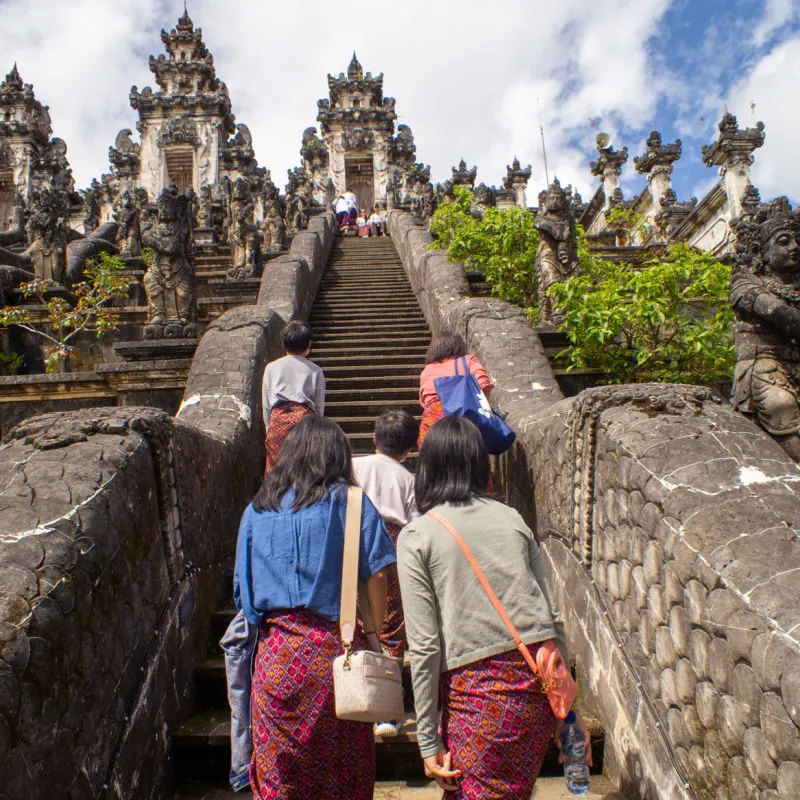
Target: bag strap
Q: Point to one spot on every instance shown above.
(498, 606)
(351, 596)
(352, 531)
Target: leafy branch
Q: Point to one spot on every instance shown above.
(88, 309)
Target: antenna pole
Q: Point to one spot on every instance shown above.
(544, 148)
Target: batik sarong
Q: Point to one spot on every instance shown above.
(393, 634)
(430, 415)
(282, 418)
(497, 724)
(301, 751)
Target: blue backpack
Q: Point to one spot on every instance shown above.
(461, 396)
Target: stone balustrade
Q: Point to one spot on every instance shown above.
(670, 523)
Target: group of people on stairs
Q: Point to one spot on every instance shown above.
(350, 218)
(483, 718)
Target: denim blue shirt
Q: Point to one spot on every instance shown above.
(293, 559)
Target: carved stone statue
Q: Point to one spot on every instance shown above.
(128, 213)
(91, 206)
(48, 231)
(243, 233)
(170, 282)
(765, 294)
(557, 256)
(273, 230)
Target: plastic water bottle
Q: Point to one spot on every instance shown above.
(576, 770)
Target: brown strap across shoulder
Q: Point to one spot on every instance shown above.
(520, 645)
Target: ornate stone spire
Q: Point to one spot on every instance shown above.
(733, 154)
(608, 168)
(517, 179)
(355, 71)
(463, 176)
(186, 77)
(657, 163)
(13, 79)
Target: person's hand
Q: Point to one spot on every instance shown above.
(587, 739)
(438, 768)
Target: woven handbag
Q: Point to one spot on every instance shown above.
(549, 666)
(367, 685)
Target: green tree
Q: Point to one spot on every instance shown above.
(88, 309)
(502, 244)
(669, 321)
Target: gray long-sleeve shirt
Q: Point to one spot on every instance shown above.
(294, 379)
(450, 620)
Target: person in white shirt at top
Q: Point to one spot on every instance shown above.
(292, 388)
(390, 487)
(377, 222)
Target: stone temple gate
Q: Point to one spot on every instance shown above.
(669, 519)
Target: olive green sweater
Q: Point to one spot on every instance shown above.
(450, 621)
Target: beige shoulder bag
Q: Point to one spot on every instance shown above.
(367, 684)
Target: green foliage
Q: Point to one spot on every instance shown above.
(669, 321)
(88, 309)
(11, 363)
(626, 220)
(148, 256)
(502, 245)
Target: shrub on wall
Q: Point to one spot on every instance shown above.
(669, 321)
(502, 244)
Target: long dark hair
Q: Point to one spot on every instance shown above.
(453, 464)
(315, 457)
(446, 344)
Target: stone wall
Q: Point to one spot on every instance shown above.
(117, 525)
(671, 526)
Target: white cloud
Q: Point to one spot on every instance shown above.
(777, 14)
(771, 86)
(463, 74)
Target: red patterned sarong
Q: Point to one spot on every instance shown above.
(497, 723)
(300, 749)
(430, 415)
(393, 635)
(282, 418)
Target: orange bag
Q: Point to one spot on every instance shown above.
(549, 666)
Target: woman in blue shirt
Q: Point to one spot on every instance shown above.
(287, 582)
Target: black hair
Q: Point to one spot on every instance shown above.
(314, 458)
(396, 432)
(446, 344)
(453, 464)
(296, 336)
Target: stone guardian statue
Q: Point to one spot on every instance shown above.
(765, 294)
(557, 256)
(170, 281)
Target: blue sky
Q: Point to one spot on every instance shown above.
(471, 78)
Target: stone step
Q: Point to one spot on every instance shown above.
(355, 330)
(363, 388)
(345, 301)
(370, 393)
(364, 424)
(371, 408)
(386, 358)
(372, 369)
(364, 347)
(347, 295)
(547, 788)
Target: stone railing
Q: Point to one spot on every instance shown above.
(117, 525)
(671, 526)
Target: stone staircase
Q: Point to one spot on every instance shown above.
(370, 336)
(370, 339)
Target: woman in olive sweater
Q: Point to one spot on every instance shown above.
(496, 721)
